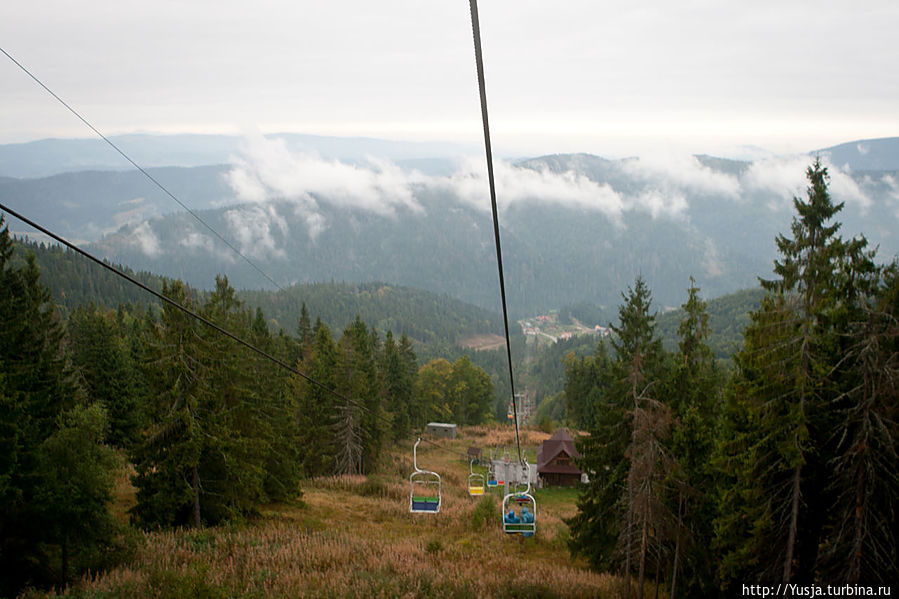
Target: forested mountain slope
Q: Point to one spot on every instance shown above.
(576, 228)
(428, 318)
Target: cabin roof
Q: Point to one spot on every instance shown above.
(560, 442)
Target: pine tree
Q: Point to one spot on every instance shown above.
(587, 382)
(304, 326)
(695, 384)
(316, 407)
(397, 388)
(76, 469)
(360, 421)
(862, 540)
(409, 362)
(168, 460)
(236, 408)
(622, 454)
(102, 361)
(45, 432)
(779, 428)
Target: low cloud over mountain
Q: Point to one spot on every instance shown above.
(574, 227)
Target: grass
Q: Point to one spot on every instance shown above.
(354, 537)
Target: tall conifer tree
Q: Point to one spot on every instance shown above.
(779, 431)
(55, 472)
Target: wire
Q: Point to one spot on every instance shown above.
(206, 321)
(482, 88)
(175, 304)
(143, 171)
(227, 333)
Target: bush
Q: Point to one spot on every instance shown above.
(484, 513)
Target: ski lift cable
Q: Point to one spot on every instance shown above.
(143, 171)
(482, 88)
(157, 183)
(207, 322)
(177, 305)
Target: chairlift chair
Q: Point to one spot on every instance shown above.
(424, 488)
(526, 525)
(491, 476)
(476, 481)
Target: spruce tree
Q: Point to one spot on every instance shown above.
(862, 536)
(316, 407)
(167, 462)
(694, 390)
(622, 453)
(46, 434)
(102, 360)
(780, 427)
(359, 431)
(397, 388)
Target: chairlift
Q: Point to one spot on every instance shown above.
(524, 523)
(476, 481)
(491, 475)
(424, 493)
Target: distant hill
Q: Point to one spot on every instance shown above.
(428, 318)
(728, 317)
(48, 157)
(866, 155)
(576, 228)
(76, 281)
(85, 205)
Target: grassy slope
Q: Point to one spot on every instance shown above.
(355, 537)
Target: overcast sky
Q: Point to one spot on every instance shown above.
(608, 77)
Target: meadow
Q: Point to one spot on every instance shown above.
(353, 536)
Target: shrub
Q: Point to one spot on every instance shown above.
(484, 513)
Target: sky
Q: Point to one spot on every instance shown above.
(613, 78)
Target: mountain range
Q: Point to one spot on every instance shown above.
(574, 227)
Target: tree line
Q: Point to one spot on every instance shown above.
(209, 429)
(781, 471)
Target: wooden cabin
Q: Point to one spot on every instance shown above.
(555, 461)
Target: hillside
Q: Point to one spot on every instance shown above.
(728, 316)
(429, 319)
(356, 532)
(426, 317)
(76, 281)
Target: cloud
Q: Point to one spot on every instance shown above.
(681, 173)
(711, 261)
(269, 170)
(315, 221)
(785, 178)
(660, 185)
(843, 188)
(252, 226)
(145, 239)
(517, 184)
(139, 210)
(893, 192)
(782, 177)
(660, 202)
(195, 239)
